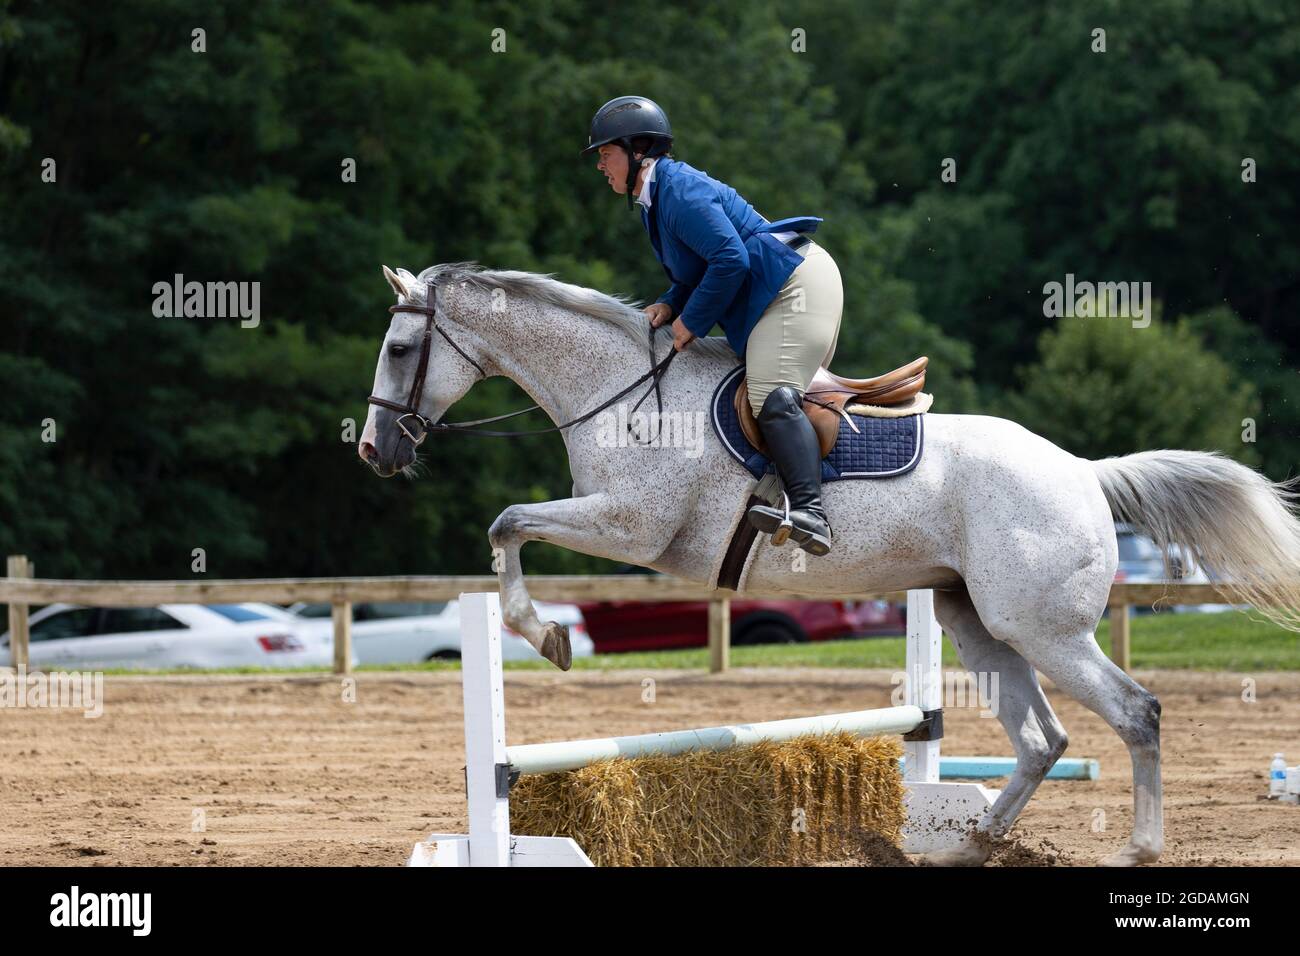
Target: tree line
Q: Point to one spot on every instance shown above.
(964, 155)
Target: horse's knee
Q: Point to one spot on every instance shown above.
(507, 528)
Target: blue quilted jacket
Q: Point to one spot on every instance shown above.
(725, 265)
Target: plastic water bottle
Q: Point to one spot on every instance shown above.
(1277, 777)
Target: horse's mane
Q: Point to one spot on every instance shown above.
(618, 310)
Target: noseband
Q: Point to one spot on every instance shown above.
(409, 414)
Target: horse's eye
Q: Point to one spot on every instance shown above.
(397, 351)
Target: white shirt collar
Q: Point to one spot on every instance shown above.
(644, 197)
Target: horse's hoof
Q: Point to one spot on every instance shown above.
(555, 645)
(1132, 855)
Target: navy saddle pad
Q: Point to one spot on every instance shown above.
(882, 448)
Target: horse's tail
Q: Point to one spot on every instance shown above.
(1232, 520)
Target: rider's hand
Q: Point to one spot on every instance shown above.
(682, 336)
(660, 313)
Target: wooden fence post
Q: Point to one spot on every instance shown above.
(341, 612)
(18, 632)
(1119, 636)
(719, 635)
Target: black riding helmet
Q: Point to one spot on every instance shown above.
(624, 119)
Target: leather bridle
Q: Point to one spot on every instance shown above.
(411, 410)
(409, 413)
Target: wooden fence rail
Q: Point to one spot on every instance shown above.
(20, 589)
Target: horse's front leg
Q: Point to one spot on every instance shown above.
(621, 530)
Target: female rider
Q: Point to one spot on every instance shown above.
(775, 292)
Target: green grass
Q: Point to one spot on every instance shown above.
(1229, 641)
(865, 652)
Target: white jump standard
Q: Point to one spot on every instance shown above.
(939, 814)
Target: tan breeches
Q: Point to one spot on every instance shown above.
(798, 331)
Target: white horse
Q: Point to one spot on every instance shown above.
(1015, 535)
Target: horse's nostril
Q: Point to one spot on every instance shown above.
(367, 452)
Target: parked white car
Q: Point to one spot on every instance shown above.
(73, 637)
(409, 632)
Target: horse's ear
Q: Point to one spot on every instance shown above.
(410, 281)
(396, 282)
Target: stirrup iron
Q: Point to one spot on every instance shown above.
(782, 533)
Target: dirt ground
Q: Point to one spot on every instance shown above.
(250, 771)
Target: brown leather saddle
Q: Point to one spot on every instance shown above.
(829, 393)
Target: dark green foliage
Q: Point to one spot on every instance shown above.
(175, 434)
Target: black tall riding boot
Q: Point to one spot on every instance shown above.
(793, 447)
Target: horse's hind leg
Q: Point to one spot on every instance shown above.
(1078, 667)
(1022, 709)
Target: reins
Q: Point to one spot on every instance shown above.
(411, 408)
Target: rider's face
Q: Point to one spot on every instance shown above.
(613, 163)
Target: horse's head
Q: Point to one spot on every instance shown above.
(425, 366)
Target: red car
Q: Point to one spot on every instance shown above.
(660, 625)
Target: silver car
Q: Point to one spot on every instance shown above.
(409, 632)
(70, 636)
